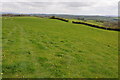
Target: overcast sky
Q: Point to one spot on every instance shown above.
(76, 7)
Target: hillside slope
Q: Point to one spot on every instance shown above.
(41, 48)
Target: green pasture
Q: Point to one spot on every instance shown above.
(47, 48)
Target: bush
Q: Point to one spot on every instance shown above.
(62, 19)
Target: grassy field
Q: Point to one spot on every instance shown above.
(46, 48)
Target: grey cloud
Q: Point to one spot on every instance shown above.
(37, 4)
(77, 4)
(82, 8)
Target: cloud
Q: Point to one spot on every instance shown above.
(76, 4)
(79, 7)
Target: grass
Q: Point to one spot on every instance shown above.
(0, 48)
(110, 25)
(47, 48)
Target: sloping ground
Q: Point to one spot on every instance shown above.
(42, 48)
(96, 26)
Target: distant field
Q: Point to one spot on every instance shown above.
(46, 48)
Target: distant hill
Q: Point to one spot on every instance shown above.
(79, 17)
(86, 17)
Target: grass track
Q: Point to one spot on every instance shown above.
(40, 47)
